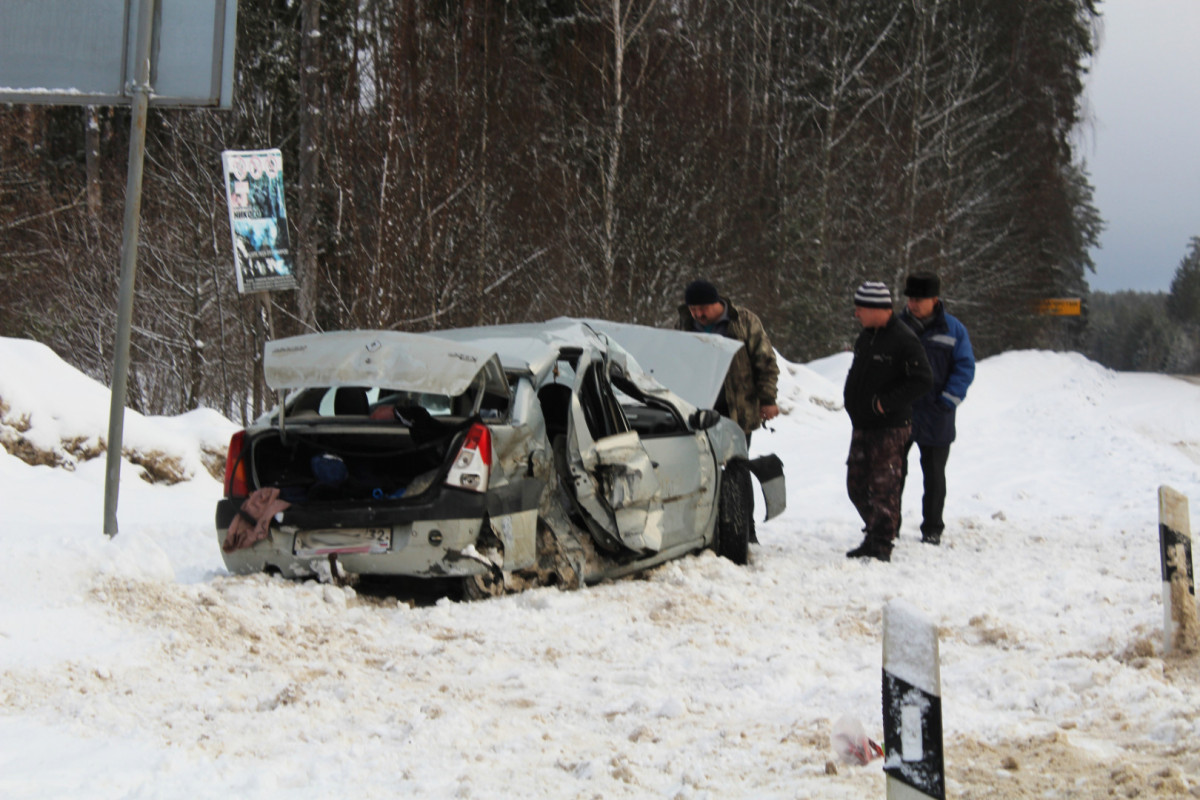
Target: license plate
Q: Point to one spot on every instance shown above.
(343, 540)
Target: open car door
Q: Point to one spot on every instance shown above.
(614, 479)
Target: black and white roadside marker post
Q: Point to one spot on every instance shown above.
(1180, 629)
(912, 705)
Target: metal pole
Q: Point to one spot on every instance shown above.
(129, 242)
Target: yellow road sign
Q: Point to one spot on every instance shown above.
(1060, 307)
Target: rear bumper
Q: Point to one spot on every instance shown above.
(434, 539)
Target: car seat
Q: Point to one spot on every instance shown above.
(350, 401)
(555, 399)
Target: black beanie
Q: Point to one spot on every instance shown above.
(700, 293)
(922, 285)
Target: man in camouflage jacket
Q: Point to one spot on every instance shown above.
(748, 397)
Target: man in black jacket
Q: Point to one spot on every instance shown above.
(888, 373)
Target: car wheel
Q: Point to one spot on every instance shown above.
(491, 583)
(481, 587)
(733, 513)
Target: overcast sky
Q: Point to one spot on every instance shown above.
(1143, 146)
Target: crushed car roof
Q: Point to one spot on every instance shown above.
(690, 365)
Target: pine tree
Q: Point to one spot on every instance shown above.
(1183, 302)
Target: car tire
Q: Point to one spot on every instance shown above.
(733, 513)
(491, 583)
(481, 587)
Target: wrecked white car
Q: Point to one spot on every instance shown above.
(501, 457)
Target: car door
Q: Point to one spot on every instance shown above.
(687, 479)
(614, 477)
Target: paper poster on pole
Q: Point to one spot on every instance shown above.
(258, 220)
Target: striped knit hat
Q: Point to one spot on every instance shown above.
(873, 294)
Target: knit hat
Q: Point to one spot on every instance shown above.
(873, 294)
(700, 293)
(922, 285)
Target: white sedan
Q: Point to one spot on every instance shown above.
(502, 457)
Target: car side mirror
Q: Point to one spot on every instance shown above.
(703, 419)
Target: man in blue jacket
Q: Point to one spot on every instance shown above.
(948, 348)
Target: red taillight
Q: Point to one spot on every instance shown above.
(235, 467)
(473, 464)
(479, 438)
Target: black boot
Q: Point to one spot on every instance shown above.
(872, 547)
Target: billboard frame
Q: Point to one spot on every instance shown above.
(182, 74)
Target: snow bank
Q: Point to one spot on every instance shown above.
(138, 668)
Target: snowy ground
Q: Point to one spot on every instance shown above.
(137, 668)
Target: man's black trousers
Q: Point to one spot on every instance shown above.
(933, 501)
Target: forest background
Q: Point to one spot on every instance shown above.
(471, 162)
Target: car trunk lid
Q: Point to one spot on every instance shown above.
(412, 361)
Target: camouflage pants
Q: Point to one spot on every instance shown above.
(874, 478)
